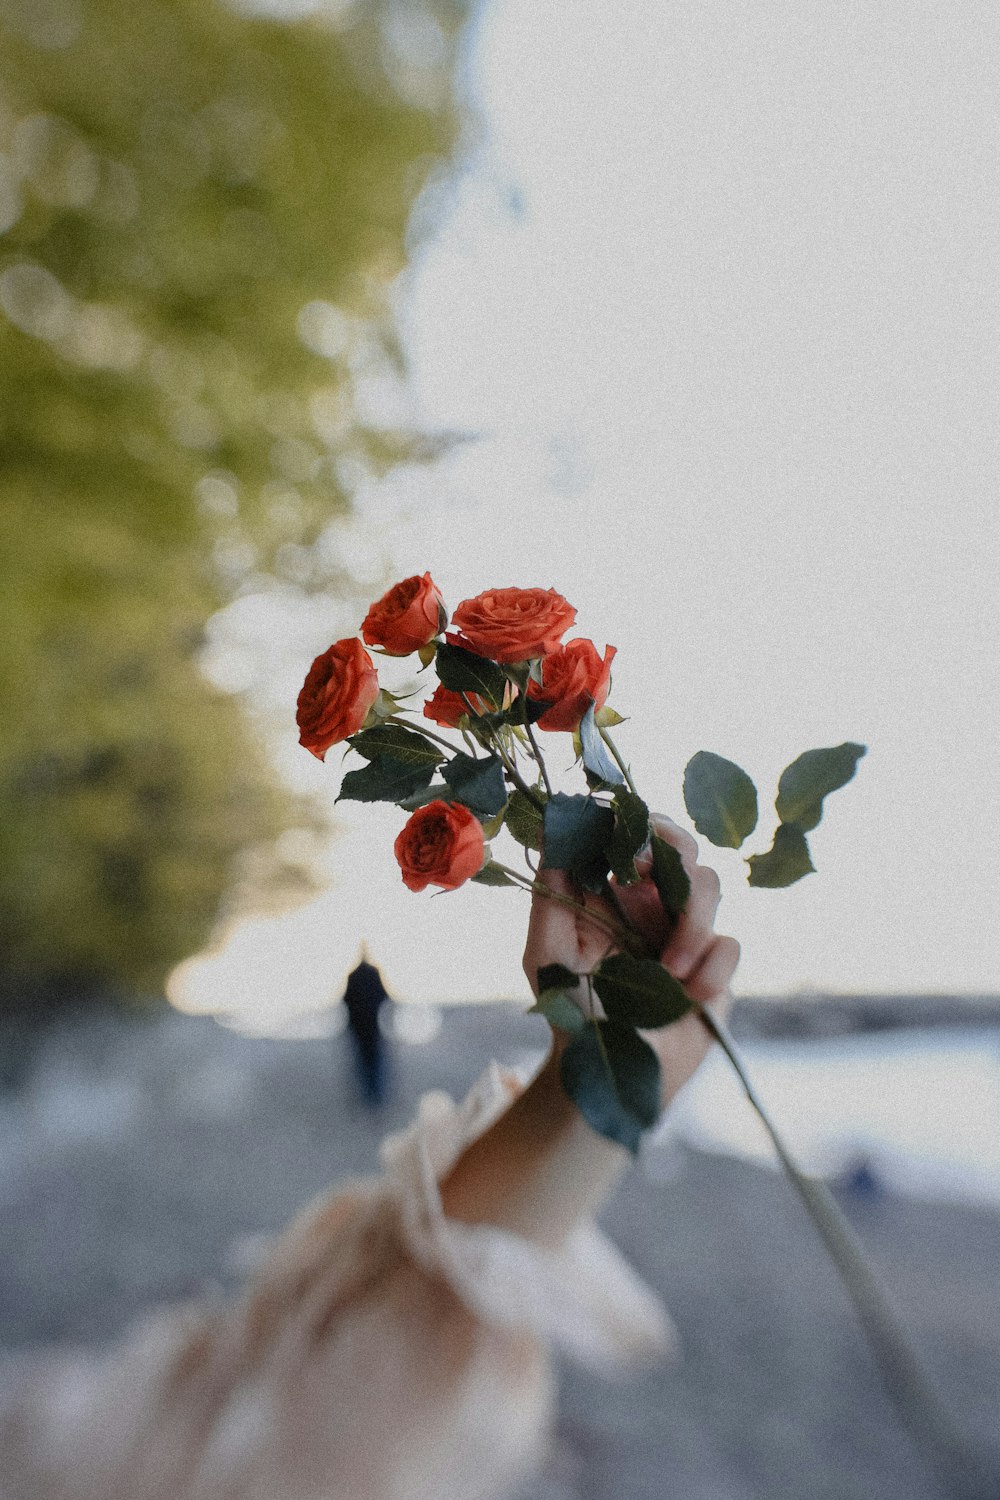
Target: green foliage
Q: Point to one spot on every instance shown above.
(613, 1078)
(578, 831)
(598, 765)
(810, 778)
(492, 874)
(479, 784)
(630, 834)
(525, 821)
(639, 991)
(200, 214)
(669, 877)
(555, 1002)
(463, 671)
(720, 798)
(785, 862)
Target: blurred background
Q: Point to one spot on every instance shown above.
(687, 313)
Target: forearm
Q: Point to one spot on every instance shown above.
(538, 1170)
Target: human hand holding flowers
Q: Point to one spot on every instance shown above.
(621, 951)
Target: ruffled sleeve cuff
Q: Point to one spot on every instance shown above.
(584, 1298)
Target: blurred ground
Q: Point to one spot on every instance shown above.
(147, 1161)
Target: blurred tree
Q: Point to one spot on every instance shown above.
(200, 212)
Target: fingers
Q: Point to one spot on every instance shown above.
(552, 933)
(714, 973)
(693, 932)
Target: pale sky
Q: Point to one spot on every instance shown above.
(719, 291)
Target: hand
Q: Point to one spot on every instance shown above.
(703, 961)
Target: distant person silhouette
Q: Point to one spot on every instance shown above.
(363, 997)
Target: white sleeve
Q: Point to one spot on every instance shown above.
(383, 1352)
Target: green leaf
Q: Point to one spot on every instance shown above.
(477, 784)
(397, 743)
(492, 826)
(385, 780)
(463, 672)
(524, 820)
(630, 834)
(720, 798)
(557, 977)
(514, 714)
(785, 862)
(669, 877)
(577, 833)
(639, 991)
(812, 777)
(491, 874)
(598, 764)
(560, 1011)
(613, 1078)
(438, 790)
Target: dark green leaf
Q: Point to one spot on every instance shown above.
(463, 672)
(524, 820)
(438, 790)
(384, 780)
(598, 764)
(492, 874)
(669, 877)
(514, 714)
(720, 798)
(577, 833)
(812, 777)
(785, 862)
(559, 1010)
(613, 1078)
(639, 991)
(398, 744)
(630, 834)
(518, 673)
(557, 977)
(478, 784)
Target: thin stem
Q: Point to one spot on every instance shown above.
(532, 741)
(905, 1378)
(428, 733)
(621, 936)
(605, 736)
(510, 767)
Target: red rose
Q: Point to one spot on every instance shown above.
(513, 624)
(441, 844)
(340, 688)
(572, 676)
(445, 707)
(407, 617)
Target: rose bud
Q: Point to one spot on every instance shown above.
(407, 617)
(508, 625)
(446, 708)
(441, 844)
(339, 689)
(573, 676)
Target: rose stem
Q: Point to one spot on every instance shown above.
(621, 935)
(532, 741)
(906, 1380)
(427, 733)
(605, 736)
(509, 764)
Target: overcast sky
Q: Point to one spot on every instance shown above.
(719, 293)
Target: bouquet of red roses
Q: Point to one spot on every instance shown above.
(505, 679)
